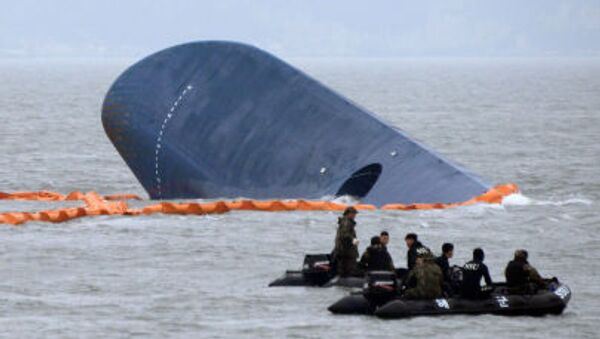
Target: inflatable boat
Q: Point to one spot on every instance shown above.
(318, 271)
(380, 297)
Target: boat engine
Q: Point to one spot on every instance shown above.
(318, 268)
(380, 287)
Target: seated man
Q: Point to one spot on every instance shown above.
(442, 260)
(414, 248)
(376, 257)
(473, 271)
(522, 278)
(385, 238)
(427, 278)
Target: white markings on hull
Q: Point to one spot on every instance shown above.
(159, 139)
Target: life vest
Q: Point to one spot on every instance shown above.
(516, 274)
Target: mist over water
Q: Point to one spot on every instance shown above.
(535, 122)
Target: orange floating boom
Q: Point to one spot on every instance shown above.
(114, 205)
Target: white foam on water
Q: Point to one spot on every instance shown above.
(516, 199)
(344, 200)
(519, 199)
(571, 201)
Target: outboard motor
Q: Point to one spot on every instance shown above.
(317, 268)
(380, 287)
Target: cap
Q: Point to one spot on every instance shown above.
(521, 254)
(349, 210)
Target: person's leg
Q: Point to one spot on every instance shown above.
(410, 293)
(345, 266)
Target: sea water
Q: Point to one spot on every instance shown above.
(535, 122)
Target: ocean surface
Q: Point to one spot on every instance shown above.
(534, 122)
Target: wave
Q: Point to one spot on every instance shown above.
(344, 199)
(518, 199)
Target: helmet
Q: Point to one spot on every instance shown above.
(521, 254)
(349, 210)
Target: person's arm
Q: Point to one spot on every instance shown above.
(411, 280)
(486, 276)
(390, 262)
(534, 276)
(441, 280)
(445, 267)
(364, 260)
(410, 259)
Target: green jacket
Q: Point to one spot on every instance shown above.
(344, 237)
(534, 276)
(429, 279)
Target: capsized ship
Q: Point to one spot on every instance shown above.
(217, 119)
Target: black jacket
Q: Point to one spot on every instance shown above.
(377, 258)
(516, 274)
(442, 262)
(411, 255)
(473, 271)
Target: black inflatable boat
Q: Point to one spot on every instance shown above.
(318, 271)
(380, 298)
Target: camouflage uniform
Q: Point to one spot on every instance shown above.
(429, 279)
(535, 277)
(523, 278)
(345, 251)
(535, 282)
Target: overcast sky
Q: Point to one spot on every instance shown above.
(340, 28)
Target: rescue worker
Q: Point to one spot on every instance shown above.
(442, 260)
(385, 238)
(521, 277)
(376, 257)
(473, 271)
(414, 247)
(426, 277)
(345, 252)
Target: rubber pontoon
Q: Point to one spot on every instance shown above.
(380, 298)
(318, 271)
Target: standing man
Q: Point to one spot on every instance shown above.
(346, 243)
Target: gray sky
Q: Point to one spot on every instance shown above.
(340, 28)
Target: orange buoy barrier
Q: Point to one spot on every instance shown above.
(42, 196)
(493, 196)
(122, 197)
(96, 204)
(290, 205)
(183, 208)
